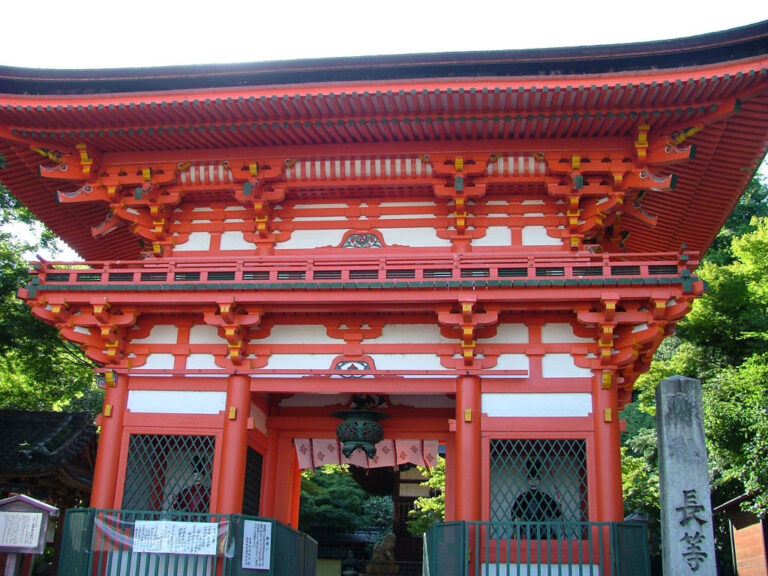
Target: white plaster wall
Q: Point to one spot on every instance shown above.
(495, 236)
(196, 241)
(176, 402)
(509, 334)
(160, 334)
(512, 362)
(537, 236)
(410, 334)
(560, 333)
(233, 240)
(300, 361)
(303, 239)
(562, 366)
(418, 237)
(201, 334)
(340, 206)
(201, 362)
(554, 405)
(319, 218)
(158, 362)
(407, 362)
(298, 334)
(401, 216)
(406, 204)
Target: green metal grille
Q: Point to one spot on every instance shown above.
(521, 549)
(169, 473)
(104, 543)
(538, 480)
(252, 493)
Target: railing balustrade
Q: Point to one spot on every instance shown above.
(333, 272)
(537, 548)
(141, 543)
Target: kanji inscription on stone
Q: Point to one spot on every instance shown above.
(686, 510)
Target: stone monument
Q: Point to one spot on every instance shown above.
(383, 559)
(688, 544)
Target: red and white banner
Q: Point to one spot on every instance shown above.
(325, 451)
(315, 452)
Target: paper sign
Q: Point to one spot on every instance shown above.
(20, 529)
(257, 544)
(168, 537)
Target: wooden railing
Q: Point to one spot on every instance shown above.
(426, 270)
(546, 548)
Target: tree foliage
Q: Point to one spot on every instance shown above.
(331, 501)
(429, 509)
(723, 342)
(38, 369)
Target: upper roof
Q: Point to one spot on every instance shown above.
(713, 48)
(412, 103)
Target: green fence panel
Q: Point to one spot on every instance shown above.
(446, 544)
(75, 556)
(540, 548)
(165, 543)
(631, 545)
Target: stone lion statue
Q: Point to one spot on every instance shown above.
(384, 551)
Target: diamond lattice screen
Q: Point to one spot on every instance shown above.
(252, 492)
(169, 472)
(538, 480)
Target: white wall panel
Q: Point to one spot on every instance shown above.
(201, 334)
(160, 334)
(303, 239)
(509, 334)
(415, 237)
(176, 402)
(555, 405)
(233, 240)
(562, 366)
(560, 333)
(196, 241)
(537, 236)
(494, 236)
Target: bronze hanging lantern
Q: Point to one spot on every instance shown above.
(360, 428)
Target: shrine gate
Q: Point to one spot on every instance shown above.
(484, 248)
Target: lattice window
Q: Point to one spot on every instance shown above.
(538, 480)
(169, 472)
(252, 493)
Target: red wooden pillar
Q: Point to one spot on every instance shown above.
(270, 478)
(450, 480)
(296, 496)
(610, 507)
(234, 446)
(287, 483)
(468, 473)
(108, 456)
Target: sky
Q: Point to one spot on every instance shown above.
(146, 33)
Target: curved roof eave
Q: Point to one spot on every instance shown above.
(722, 46)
